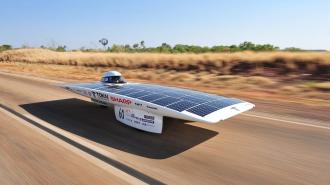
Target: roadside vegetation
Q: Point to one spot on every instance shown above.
(5, 47)
(182, 48)
(141, 47)
(286, 76)
(301, 65)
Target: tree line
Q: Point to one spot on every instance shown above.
(167, 48)
(183, 48)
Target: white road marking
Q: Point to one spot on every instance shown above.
(31, 77)
(121, 174)
(288, 121)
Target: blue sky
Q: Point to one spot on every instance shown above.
(285, 23)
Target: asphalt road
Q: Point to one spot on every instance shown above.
(50, 136)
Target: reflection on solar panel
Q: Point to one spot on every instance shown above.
(193, 99)
(165, 101)
(126, 91)
(109, 89)
(176, 99)
(174, 94)
(202, 110)
(151, 97)
(138, 94)
(223, 103)
(181, 105)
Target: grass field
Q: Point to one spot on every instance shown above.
(298, 75)
(317, 65)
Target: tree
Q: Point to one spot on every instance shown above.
(292, 49)
(180, 48)
(142, 44)
(116, 48)
(5, 47)
(246, 46)
(61, 48)
(220, 48)
(164, 48)
(136, 46)
(127, 48)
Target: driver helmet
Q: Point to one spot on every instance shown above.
(113, 77)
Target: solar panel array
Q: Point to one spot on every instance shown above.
(173, 98)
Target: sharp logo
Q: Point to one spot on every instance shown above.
(99, 95)
(121, 100)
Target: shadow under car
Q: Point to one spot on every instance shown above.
(98, 124)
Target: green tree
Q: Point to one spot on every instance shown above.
(5, 47)
(164, 48)
(292, 49)
(180, 48)
(127, 48)
(142, 44)
(246, 46)
(61, 48)
(136, 46)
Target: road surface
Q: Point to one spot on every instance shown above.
(48, 135)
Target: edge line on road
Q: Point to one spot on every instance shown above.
(143, 178)
(287, 121)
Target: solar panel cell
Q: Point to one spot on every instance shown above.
(151, 97)
(200, 96)
(177, 99)
(173, 93)
(165, 101)
(232, 100)
(126, 91)
(181, 105)
(138, 94)
(223, 103)
(193, 99)
(202, 110)
(219, 104)
(109, 89)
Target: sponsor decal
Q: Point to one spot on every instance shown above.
(139, 119)
(138, 104)
(150, 107)
(99, 96)
(149, 117)
(99, 101)
(142, 120)
(121, 100)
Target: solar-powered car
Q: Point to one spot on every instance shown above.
(143, 106)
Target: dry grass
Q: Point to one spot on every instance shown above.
(316, 65)
(324, 86)
(280, 75)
